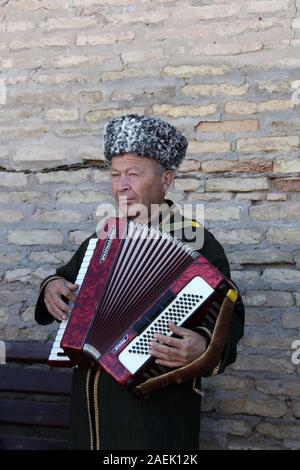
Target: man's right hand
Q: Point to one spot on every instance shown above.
(53, 293)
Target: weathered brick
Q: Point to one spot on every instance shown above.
(13, 26)
(228, 382)
(184, 111)
(224, 213)
(62, 216)
(278, 387)
(267, 144)
(34, 5)
(42, 42)
(276, 197)
(67, 177)
(284, 235)
(274, 86)
(195, 147)
(251, 196)
(275, 211)
(237, 428)
(87, 3)
(3, 152)
(257, 298)
(227, 48)
(20, 133)
(44, 98)
(187, 71)
(35, 237)
(12, 179)
(291, 320)
(76, 22)
(136, 56)
(70, 61)
(28, 197)
(57, 78)
(27, 314)
(134, 94)
(210, 197)
(4, 316)
(279, 431)
(257, 363)
(283, 275)
(91, 97)
(104, 114)
(238, 236)
(267, 256)
(245, 166)
(129, 73)
(245, 125)
(187, 184)
(10, 216)
(227, 89)
(282, 165)
(34, 333)
(106, 37)
(101, 176)
(287, 184)
(80, 197)
(10, 258)
(46, 257)
(268, 342)
(296, 408)
(34, 153)
(21, 275)
(236, 184)
(62, 115)
(269, 408)
(252, 107)
(189, 166)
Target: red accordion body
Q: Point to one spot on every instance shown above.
(126, 296)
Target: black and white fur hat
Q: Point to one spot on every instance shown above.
(145, 136)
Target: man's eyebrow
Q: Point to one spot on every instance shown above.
(137, 168)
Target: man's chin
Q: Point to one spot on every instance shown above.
(134, 210)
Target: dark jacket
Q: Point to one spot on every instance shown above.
(106, 416)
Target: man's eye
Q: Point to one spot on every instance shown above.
(114, 175)
(133, 174)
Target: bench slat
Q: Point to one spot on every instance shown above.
(50, 382)
(27, 352)
(34, 413)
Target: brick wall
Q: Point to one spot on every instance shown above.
(227, 74)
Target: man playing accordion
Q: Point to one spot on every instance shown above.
(143, 153)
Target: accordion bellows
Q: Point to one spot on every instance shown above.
(138, 279)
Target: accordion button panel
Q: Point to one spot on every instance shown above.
(57, 354)
(187, 301)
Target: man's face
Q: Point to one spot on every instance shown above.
(138, 181)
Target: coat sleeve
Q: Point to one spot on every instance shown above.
(69, 272)
(214, 252)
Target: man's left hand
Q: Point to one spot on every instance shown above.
(177, 352)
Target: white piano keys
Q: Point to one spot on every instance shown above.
(57, 354)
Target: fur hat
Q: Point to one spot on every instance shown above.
(145, 136)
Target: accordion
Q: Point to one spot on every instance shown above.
(134, 280)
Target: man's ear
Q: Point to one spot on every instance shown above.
(168, 179)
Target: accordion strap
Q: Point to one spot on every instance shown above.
(208, 361)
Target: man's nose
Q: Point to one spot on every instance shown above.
(123, 183)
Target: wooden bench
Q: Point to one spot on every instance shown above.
(34, 399)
